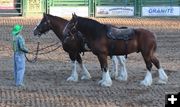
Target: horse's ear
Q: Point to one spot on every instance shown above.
(74, 16)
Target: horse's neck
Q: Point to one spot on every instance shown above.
(89, 31)
(58, 27)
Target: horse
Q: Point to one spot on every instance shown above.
(103, 45)
(74, 47)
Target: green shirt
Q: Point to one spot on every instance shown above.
(19, 44)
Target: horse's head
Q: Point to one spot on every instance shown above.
(43, 26)
(70, 29)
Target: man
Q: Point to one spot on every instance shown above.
(19, 54)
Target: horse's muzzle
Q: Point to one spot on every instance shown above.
(37, 33)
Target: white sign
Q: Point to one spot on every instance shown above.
(65, 11)
(161, 11)
(6, 4)
(114, 11)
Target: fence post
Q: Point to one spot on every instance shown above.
(138, 5)
(24, 8)
(91, 8)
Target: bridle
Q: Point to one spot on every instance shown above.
(47, 21)
(72, 29)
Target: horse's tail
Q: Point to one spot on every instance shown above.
(155, 47)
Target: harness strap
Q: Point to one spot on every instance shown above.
(112, 48)
(126, 48)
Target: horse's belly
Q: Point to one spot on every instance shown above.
(122, 47)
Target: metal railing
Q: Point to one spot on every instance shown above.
(11, 8)
(160, 2)
(23, 7)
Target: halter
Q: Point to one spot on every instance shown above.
(73, 28)
(48, 22)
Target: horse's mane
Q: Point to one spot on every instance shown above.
(90, 22)
(58, 23)
(92, 26)
(56, 18)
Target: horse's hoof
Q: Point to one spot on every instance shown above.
(145, 83)
(160, 81)
(120, 78)
(85, 77)
(113, 74)
(163, 78)
(105, 83)
(72, 79)
(100, 82)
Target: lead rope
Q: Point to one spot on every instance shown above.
(36, 55)
(37, 51)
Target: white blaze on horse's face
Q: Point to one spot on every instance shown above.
(36, 26)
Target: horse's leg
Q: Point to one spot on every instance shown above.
(115, 63)
(85, 74)
(106, 79)
(74, 74)
(122, 72)
(148, 78)
(163, 78)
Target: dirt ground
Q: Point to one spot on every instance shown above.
(45, 80)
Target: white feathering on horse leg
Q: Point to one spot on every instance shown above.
(74, 74)
(85, 75)
(114, 71)
(147, 80)
(106, 79)
(122, 72)
(163, 78)
(103, 75)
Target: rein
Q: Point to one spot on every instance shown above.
(35, 58)
(38, 50)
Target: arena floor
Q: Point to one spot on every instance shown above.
(45, 80)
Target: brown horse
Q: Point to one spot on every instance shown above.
(136, 40)
(73, 46)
